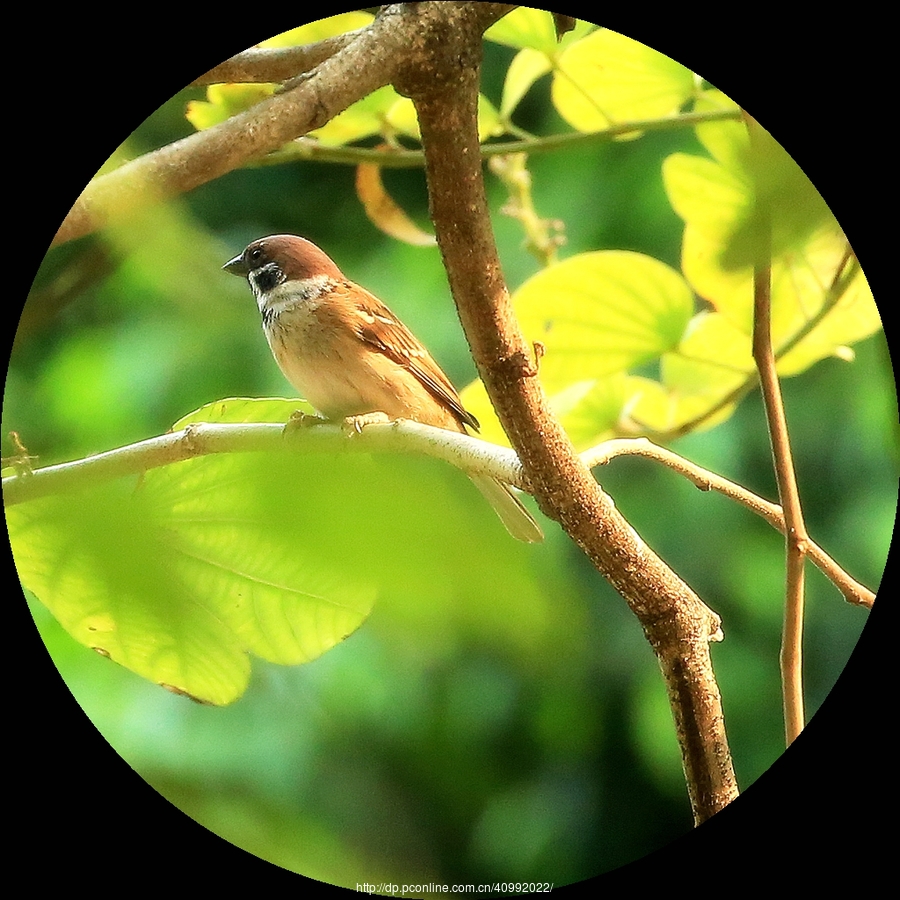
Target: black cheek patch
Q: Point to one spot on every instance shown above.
(268, 277)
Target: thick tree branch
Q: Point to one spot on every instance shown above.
(444, 87)
(314, 96)
(372, 56)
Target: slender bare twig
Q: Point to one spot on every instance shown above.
(797, 540)
(203, 439)
(303, 149)
(705, 480)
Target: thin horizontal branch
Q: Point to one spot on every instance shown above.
(203, 439)
(470, 454)
(307, 149)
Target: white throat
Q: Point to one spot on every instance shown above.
(289, 294)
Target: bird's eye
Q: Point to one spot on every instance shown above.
(255, 255)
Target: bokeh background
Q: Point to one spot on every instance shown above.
(515, 726)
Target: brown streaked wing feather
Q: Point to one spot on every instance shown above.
(383, 331)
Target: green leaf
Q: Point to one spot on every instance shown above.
(746, 180)
(180, 577)
(593, 415)
(793, 209)
(607, 78)
(318, 31)
(534, 28)
(363, 119)
(712, 361)
(727, 142)
(100, 563)
(182, 574)
(712, 199)
(800, 284)
(719, 200)
(241, 410)
(401, 117)
(658, 409)
(715, 206)
(602, 312)
(223, 101)
(527, 66)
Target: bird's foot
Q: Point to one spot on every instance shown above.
(355, 424)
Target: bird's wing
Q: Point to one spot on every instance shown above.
(384, 332)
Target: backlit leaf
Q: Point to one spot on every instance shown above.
(607, 78)
(602, 312)
(534, 29)
(384, 212)
(318, 31)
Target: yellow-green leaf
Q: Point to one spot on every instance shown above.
(241, 410)
(527, 66)
(728, 142)
(179, 577)
(712, 199)
(607, 78)
(800, 287)
(746, 180)
(659, 409)
(602, 312)
(223, 101)
(321, 29)
(853, 318)
(593, 411)
(363, 119)
(534, 28)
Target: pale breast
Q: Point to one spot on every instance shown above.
(329, 367)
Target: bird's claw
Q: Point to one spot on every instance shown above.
(355, 424)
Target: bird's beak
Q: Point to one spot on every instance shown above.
(237, 266)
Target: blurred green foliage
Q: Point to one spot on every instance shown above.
(499, 715)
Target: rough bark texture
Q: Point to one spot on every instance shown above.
(442, 78)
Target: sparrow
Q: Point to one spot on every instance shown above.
(348, 355)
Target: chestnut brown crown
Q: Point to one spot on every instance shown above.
(295, 258)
